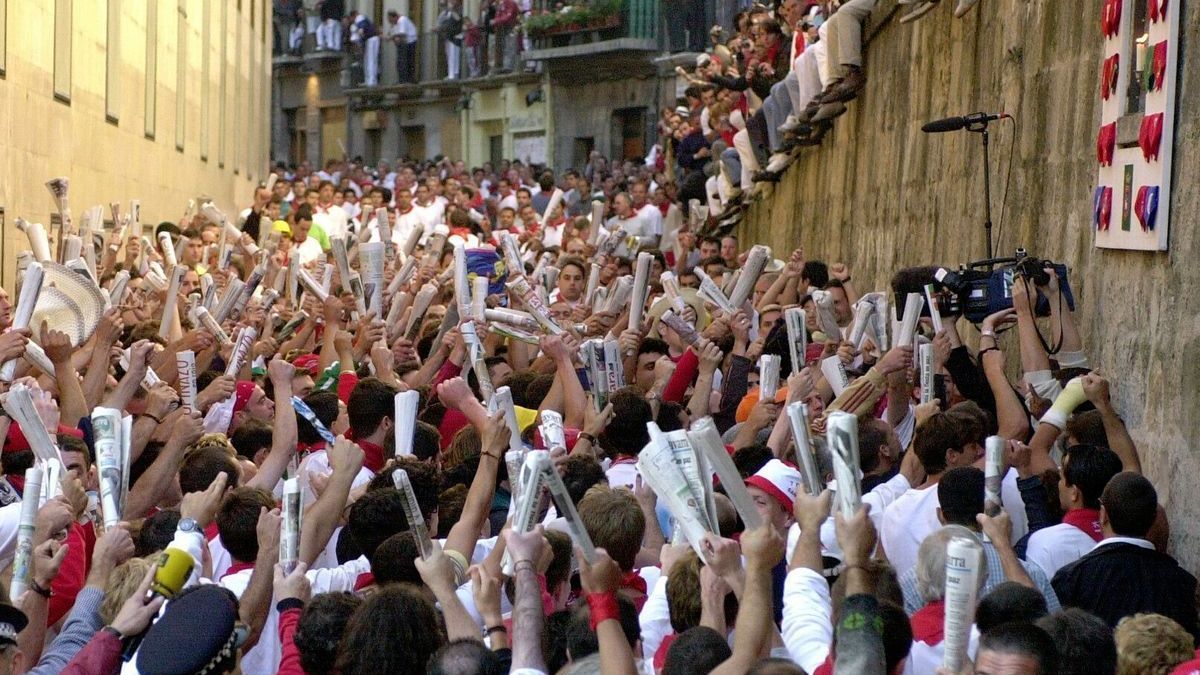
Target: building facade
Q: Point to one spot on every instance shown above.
(553, 106)
(155, 100)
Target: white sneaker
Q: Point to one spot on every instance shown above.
(791, 124)
(918, 12)
(964, 6)
(779, 161)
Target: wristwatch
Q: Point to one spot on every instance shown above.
(188, 525)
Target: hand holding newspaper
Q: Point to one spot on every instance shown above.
(31, 288)
(826, 317)
(964, 558)
(797, 413)
(756, 262)
(842, 432)
(106, 425)
(912, 315)
(993, 475)
(705, 438)
(289, 534)
(405, 413)
(412, 512)
(797, 332)
(23, 562)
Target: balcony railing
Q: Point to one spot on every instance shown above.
(594, 27)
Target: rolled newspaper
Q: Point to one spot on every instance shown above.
(171, 304)
(291, 326)
(149, 380)
(768, 377)
(842, 432)
(527, 484)
(935, 313)
(168, 249)
(403, 276)
(925, 360)
(686, 331)
(72, 248)
(543, 261)
(462, 285)
(400, 302)
(35, 355)
(619, 294)
(964, 558)
(556, 198)
(482, 376)
(208, 291)
(566, 508)
(58, 189)
(705, 438)
(241, 350)
(993, 475)
(23, 562)
(593, 282)
(228, 301)
(797, 413)
(479, 293)
(311, 285)
(641, 288)
(551, 429)
(405, 412)
(292, 281)
(22, 410)
(412, 512)
(106, 429)
(667, 473)
(863, 311)
(39, 241)
(185, 364)
(434, 245)
(31, 288)
(419, 308)
(596, 220)
(826, 317)
(834, 372)
(795, 321)
(670, 284)
(204, 318)
(711, 292)
(593, 359)
(502, 401)
(384, 225)
(341, 261)
(756, 262)
(549, 278)
(289, 526)
(614, 368)
(414, 238)
(528, 297)
(912, 314)
(599, 299)
(116, 293)
(371, 257)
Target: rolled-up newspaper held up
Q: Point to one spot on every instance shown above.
(384, 225)
(106, 428)
(795, 321)
(185, 364)
(566, 508)
(269, 298)
(204, 318)
(502, 401)
(291, 326)
(964, 558)
(249, 289)
(543, 260)
(116, 293)
(525, 477)
(35, 355)
(863, 311)
(756, 262)
(686, 331)
(208, 291)
(641, 288)
(711, 292)
(707, 441)
(412, 512)
(149, 380)
(371, 258)
(619, 294)
(935, 312)
(435, 243)
(912, 314)
(228, 301)
(23, 562)
(925, 360)
(405, 405)
(31, 288)
(241, 350)
(555, 199)
(414, 238)
(768, 377)
(661, 469)
(670, 284)
(21, 409)
(826, 317)
(170, 305)
(39, 241)
(834, 372)
(593, 282)
(551, 429)
(842, 432)
(614, 368)
(596, 220)
(479, 293)
(797, 413)
(342, 261)
(168, 248)
(311, 285)
(529, 297)
(462, 285)
(72, 248)
(292, 282)
(549, 278)
(592, 352)
(400, 302)
(419, 308)
(599, 299)
(289, 526)
(993, 475)
(58, 189)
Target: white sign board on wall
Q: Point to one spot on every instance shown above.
(530, 148)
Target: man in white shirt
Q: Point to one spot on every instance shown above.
(331, 217)
(408, 218)
(649, 213)
(628, 221)
(945, 441)
(1086, 469)
(306, 247)
(403, 33)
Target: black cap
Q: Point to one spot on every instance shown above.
(12, 621)
(197, 632)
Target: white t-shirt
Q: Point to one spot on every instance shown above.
(1053, 548)
(906, 523)
(333, 219)
(653, 218)
(308, 251)
(317, 463)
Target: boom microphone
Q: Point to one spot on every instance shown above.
(956, 123)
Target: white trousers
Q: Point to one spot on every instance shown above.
(371, 61)
(453, 57)
(329, 35)
(745, 151)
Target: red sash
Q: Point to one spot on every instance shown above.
(1086, 521)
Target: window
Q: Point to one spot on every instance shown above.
(62, 50)
(205, 57)
(112, 75)
(181, 64)
(151, 65)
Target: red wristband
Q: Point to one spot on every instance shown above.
(603, 607)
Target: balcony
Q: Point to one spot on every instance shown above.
(591, 29)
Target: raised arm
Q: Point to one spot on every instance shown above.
(763, 548)
(1096, 387)
(462, 537)
(528, 616)
(1011, 419)
(283, 435)
(322, 519)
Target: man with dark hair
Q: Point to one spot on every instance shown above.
(814, 276)
(1124, 574)
(465, 657)
(370, 410)
(696, 650)
(1016, 649)
(320, 629)
(626, 434)
(1009, 602)
(1086, 470)
(1084, 642)
(648, 354)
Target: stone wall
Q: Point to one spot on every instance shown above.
(880, 195)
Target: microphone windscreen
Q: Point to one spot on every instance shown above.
(948, 124)
(174, 567)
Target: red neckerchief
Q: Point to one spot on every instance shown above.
(928, 623)
(210, 532)
(664, 207)
(237, 567)
(798, 42)
(373, 456)
(556, 223)
(660, 656)
(635, 586)
(624, 459)
(406, 212)
(323, 208)
(365, 579)
(1086, 521)
(639, 207)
